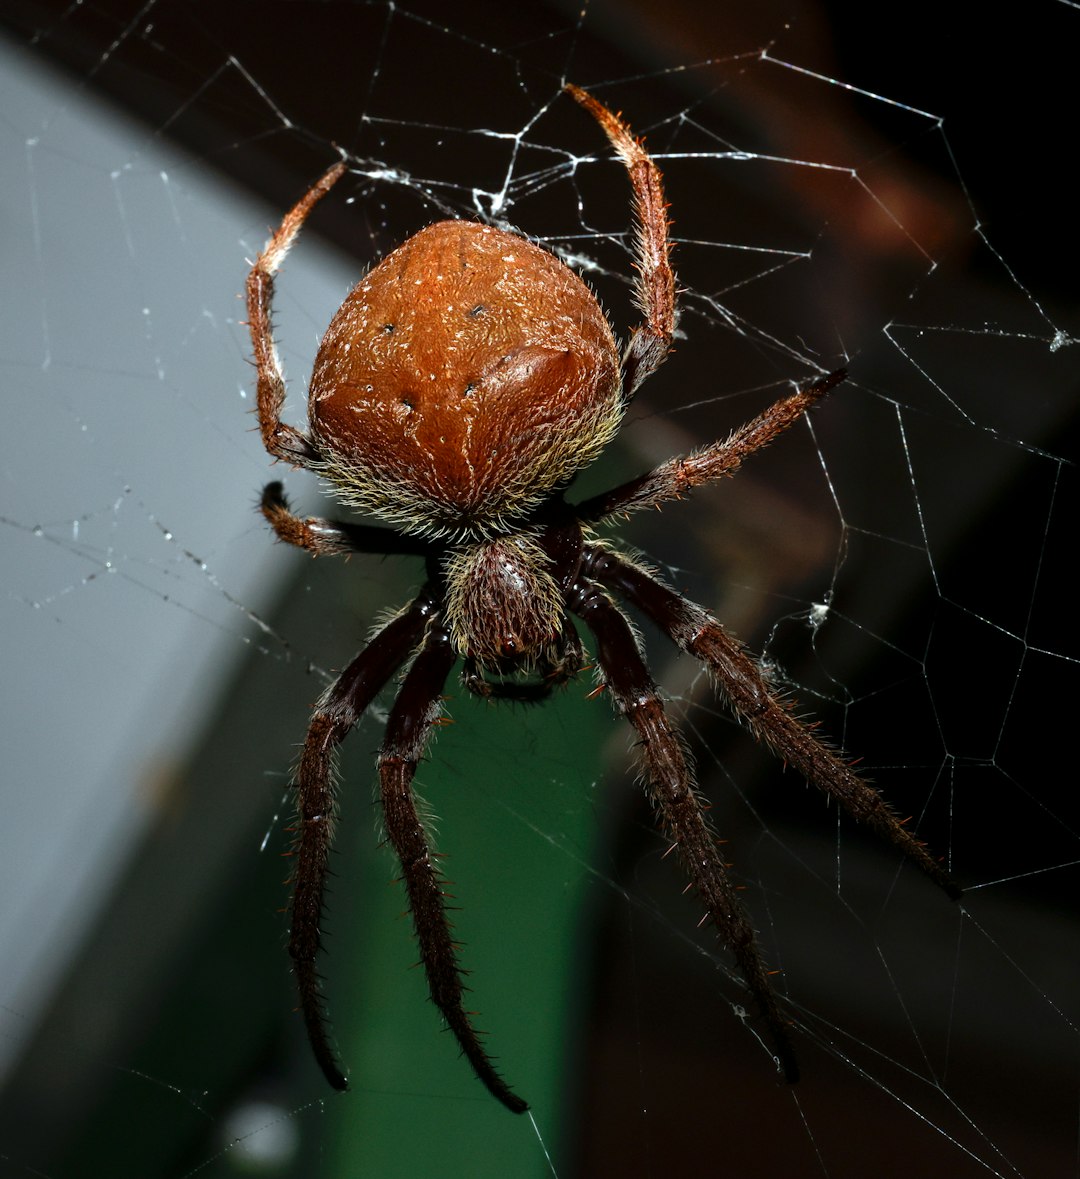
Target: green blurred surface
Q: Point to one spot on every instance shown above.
(510, 790)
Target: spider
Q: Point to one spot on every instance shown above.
(458, 390)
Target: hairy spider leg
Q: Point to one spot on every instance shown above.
(654, 288)
(331, 538)
(417, 708)
(669, 783)
(676, 477)
(770, 720)
(283, 442)
(337, 711)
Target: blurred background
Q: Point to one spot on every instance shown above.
(881, 187)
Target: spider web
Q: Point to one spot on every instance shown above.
(897, 201)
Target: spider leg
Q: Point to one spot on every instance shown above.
(338, 710)
(670, 786)
(283, 442)
(654, 289)
(324, 538)
(673, 479)
(415, 711)
(770, 719)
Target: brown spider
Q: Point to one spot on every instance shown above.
(457, 391)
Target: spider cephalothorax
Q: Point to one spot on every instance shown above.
(457, 391)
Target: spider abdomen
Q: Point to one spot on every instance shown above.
(463, 379)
